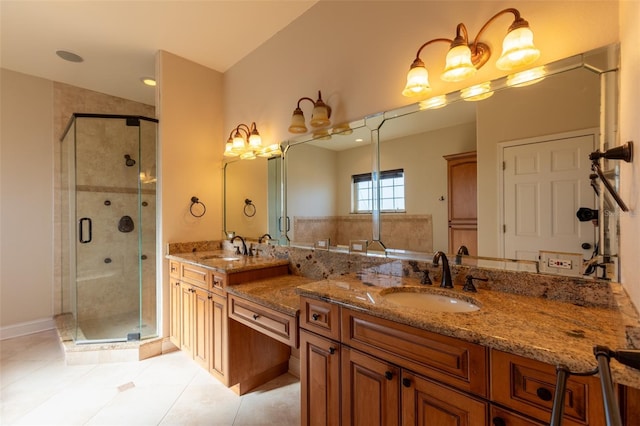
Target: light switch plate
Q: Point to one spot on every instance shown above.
(358, 246)
(561, 263)
(322, 244)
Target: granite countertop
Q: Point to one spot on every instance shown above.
(545, 330)
(226, 261)
(278, 293)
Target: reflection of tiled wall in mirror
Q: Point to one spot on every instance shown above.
(408, 232)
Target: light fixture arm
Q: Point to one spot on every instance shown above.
(302, 99)
(418, 62)
(517, 23)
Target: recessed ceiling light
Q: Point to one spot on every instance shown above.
(149, 81)
(69, 56)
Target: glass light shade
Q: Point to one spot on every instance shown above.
(526, 78)
(297, 122)
(477, 93)
(458, 66)
(517, 49)
(322, 134)
(320, 116)
(255, 141)
(248, 155)
(434, 103)
(228, 149)
(238, 144)
(417, 82)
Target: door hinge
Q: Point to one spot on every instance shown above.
(504, 165)
(504, 229)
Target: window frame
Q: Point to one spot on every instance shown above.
(366, 178)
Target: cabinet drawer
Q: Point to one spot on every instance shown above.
(502, 417)
(174, 268)
(194, 275)
(528, 386)
(320, 317)
(446, 359)
(218, 283)
(274, 324)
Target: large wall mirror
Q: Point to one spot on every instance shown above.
(529, 146)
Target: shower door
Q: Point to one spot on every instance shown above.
(113, 267)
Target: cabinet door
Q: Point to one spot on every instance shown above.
(502, 417)
(428, 403)
(186, 324)
(175, 312)
(319, 380)
(219, 361)
(202, 327)
(370, 390)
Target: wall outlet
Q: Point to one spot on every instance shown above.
(322, 244)
(555, 262)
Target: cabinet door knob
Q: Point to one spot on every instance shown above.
(544, 394)
(388, 375)
(332, 350)
(406, 382)
(209, 297)
(256, 316)
(315, 317)
(498, 421)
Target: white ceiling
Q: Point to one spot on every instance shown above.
(119, 39)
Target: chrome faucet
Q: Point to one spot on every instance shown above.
(244, 245)
(463, 250)
(446, 272)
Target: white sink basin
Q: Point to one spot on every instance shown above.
(429, 301)
(219, 256)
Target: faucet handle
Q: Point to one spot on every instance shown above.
(425, 278)
(468, 284)
(237, 249)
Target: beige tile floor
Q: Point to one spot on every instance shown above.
(38, 388)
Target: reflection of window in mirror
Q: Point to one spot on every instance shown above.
(391, 192)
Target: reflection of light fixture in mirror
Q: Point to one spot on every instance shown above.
(321, 134)
(244, 141)
(342, 129)
(269, 151)
(477, 93)
(433, 103)
(526, 78)
(464, 58)
(319, 116)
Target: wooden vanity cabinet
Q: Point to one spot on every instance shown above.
(319, 379)
(376, 381)
(239, 356)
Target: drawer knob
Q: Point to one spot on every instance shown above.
(406, 382)
(498, 421)
(332, 350)
(544, 394)
(315, 317)
(256, 316)
(388, 375)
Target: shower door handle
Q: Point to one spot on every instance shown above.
(89, 230)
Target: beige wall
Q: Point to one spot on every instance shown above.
(190, 113)
(630, 130)
(246, 179)
(26, 206)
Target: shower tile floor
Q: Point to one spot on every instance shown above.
(38, 388)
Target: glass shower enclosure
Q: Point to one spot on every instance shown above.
(108, 227)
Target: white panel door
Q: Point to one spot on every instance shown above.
(545, 183)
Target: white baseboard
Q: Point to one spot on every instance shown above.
(29, 327)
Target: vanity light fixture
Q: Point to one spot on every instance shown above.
(244, 141)
(319, 116)
(464, 58)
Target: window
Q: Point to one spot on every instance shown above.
(391, 192)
